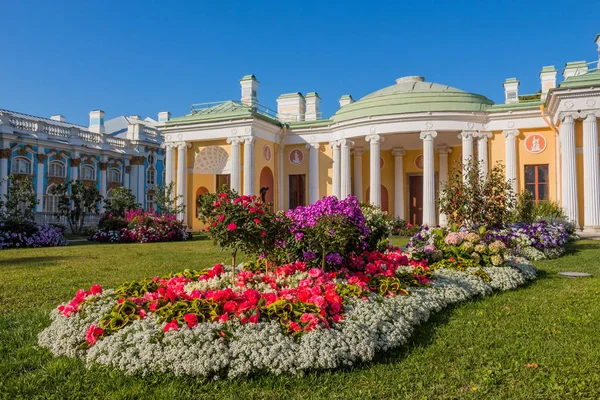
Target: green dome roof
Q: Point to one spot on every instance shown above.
(412, 94)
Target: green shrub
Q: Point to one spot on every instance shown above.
(525, 207)
(549, 210)
(380, 226)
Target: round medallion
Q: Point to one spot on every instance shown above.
(419, 161)
(535, 143)
(296, 157)
(267, 152)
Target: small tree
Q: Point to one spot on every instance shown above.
(166, 200)
(83, 200)
(476, 200)
(18, 204)
(237, 223)
(122, 199)
(524, 211)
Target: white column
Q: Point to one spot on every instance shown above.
(126, 178)
(75, 166)
(141, 183)
(181, 177)
(591, 174)
(443, 177)
(249, 165)
(133, 180)
(375, 168)
(345, 181)
(41, 157)
(482, 153)
(235, 164)
(358, 183)
(511, 157)
(399, 182)
(280, 178)
(429, 217)
(569, 169)
(467, 149)
(313, 173)
(103, 167)
(169, 164)
(335, 179)
(4, 154)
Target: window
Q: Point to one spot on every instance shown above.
(114, 175)
(150, 160)
(21, 165)
(57, 169)
(536, 181)
(223, 180)
(88, 173)
(150, 202)
(297, 191)
(50, 201)
(151, 176)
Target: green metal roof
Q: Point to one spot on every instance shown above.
(412, 94)
(315, 123)
(220, 111)
(515, 106)
(588, 79)
(548, 68)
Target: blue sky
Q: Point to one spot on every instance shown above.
(132, 57)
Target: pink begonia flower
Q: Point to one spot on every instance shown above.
(96, 289)
(191, 319)
(92, 334)
(171, 325)
(231, 227)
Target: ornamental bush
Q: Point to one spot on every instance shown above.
(380, 226)
(473, 201)
(139, 226)
(293, 318)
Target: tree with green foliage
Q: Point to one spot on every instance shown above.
(75, 201)
(168, 202)
(17, 206)
(474, 199)
(122, 199)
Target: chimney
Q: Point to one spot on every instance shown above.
(312, 106)
(575, 68)
(134, 131)
(58, 117)
(135, 116)
(249, 91)
(97, 121)
(548, 78)
(511, 91)
(291, 107)
(164, 116)
(346, 99)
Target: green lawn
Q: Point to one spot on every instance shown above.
(478, 349)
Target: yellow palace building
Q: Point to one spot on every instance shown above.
(395, 147)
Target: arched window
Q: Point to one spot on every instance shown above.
(21, 165)
(88, 173)
(150, 159)
(151, 176)
(114, 175)
(110, 195)
(57, 169)
(51, 200)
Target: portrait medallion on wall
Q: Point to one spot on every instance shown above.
(267, 153)
(535, 143)
(296, 157)
(419, 161)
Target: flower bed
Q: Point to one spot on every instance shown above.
(139, 226)
(40, 236)
(274, 318)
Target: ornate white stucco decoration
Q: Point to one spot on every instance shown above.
(591, 102)
(569, 104)
(212, 160)
(428, 125)
(511, 124)
(535, 143)
(296, 157)
(180, 137)
(470, 125)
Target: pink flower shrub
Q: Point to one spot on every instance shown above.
(144, 227)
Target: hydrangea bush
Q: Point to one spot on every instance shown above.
(293, 318)
(40, 236)
(139, 226)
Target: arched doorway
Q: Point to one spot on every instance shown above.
(199, 191)
(266, 181)
(384, 198)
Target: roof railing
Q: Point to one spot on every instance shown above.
(213, 107)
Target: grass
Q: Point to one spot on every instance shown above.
(486, 349)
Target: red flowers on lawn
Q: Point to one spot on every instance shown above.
(68, 309)
(231, 227)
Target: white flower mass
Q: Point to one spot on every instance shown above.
(372, 325)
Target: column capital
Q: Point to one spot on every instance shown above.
(484, 134)
(313, 145)
(346, 142)
(75, 162)
(5, 153)
(41, 158)
(183, 145)
(399, 152)
(428, 135)
(467, 135)
(168, 146)
(334, 144)
(511, 133)
(248, 139)
(568, 117)
(590, 115)
(358, 151)
(443, 150)
(374, 138)
(233, 140)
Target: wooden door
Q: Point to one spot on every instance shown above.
(297, 190)
(416, 200)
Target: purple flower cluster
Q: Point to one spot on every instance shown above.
(306, 216)
(44, 236)
(542, 235)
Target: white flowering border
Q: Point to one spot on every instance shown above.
(372, 325)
